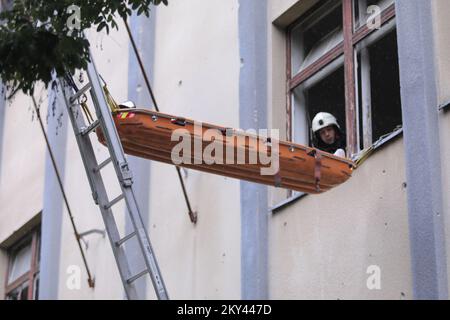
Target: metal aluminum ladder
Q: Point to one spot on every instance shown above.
(124, 176)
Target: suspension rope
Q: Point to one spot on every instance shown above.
(192, 214)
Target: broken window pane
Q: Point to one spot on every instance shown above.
(20, 262)
(316, 35)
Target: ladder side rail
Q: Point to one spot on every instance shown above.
(124, 173)
(98, 188)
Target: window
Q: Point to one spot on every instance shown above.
(338, 62)
(22, 278)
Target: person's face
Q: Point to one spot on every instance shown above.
(328, 134)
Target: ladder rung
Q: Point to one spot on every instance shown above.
(80, 93)
(109, 205)
(125, 239)
(102, 165)
(91, 128)
(137, 276)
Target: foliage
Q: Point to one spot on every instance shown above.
(37, 37)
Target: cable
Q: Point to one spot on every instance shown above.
(192, 214)
(91, 281)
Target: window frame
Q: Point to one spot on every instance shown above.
(351, 38)
(32, 274)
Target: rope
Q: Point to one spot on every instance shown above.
(110, 100)
(192, 214)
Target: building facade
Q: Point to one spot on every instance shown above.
(380, 66)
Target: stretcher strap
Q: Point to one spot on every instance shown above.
(317, 167)
(318, 170)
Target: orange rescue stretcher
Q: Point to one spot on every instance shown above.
(147, 134)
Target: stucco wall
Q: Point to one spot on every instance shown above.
(442, 44)
(322, 246)
(442, 51)
(197, 76)
(21, 163)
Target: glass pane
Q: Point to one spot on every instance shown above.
(316, 35)
(20, 262)
(363, 10)
(379, 88)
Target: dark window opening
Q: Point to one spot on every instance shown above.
(385, 88)
(379, 100)
(328, 95)
(324, 29)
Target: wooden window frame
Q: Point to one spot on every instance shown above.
(351, 37)
(30, 276)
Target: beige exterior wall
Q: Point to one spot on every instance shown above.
(197, 76)
(322, 246)
(442, 43)
(22, 164)
(442, 51)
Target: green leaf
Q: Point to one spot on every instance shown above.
(31, 51)
(101, 26)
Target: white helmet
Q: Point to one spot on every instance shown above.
(322, 120)
(128, 105)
